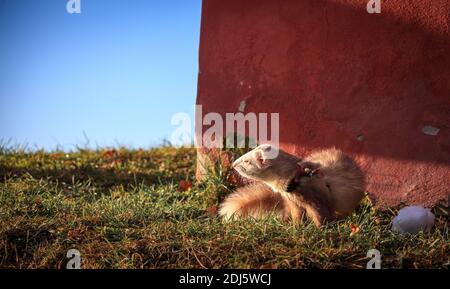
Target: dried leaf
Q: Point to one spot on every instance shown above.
(354, 229)
(184, 186)
(212, 210)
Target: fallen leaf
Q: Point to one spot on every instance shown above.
(212, 210)
(184, 186)
(354, 229)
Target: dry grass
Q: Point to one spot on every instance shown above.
(125, 209)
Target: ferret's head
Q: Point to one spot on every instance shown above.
(265, 163)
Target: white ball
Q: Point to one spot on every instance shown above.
(412, 220)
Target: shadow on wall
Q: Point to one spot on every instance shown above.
(370, 84)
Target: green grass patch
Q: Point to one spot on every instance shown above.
(124, 209)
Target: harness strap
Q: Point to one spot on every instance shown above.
(302, 171)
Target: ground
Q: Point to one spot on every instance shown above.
(138, 209)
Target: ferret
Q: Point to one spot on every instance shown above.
(326, 185)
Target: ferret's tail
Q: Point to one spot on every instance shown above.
(257, 201)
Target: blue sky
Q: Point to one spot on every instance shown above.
(116, 73)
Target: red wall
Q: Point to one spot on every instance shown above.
(335, 72)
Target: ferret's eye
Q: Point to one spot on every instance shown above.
(246, 161)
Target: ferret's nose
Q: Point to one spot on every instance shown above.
(234, 164)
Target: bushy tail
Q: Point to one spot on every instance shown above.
(257, 201)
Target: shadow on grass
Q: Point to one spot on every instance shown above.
(99, 177)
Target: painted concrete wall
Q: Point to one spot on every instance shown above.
(374, 85)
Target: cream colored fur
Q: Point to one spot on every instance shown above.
(334, 195)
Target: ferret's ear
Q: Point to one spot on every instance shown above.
(260, 159)
(265, 147)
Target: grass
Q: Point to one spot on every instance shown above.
(134, 209)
